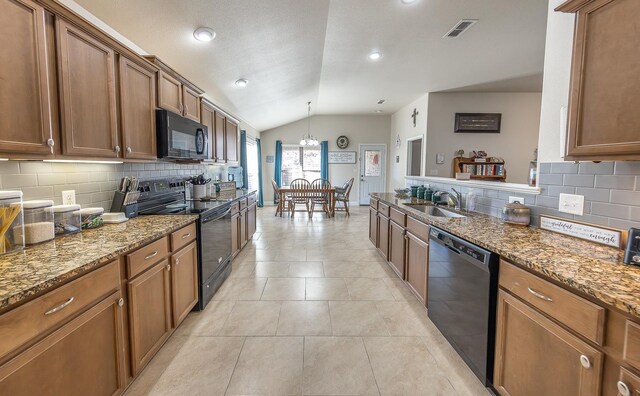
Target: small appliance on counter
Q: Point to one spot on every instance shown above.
(632, 252)
(180, 138)
(516, 213)
(125, 199)
(235, 175)
(11, 221)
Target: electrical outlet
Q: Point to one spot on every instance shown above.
(573, 204)
(516, 199)
(69, 197)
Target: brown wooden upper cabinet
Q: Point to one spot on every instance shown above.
(137, 104)
(207, 118)
(175, 93)
(220, 154)
(231, 141)
(25, 124)
(604, 121)
(88, 106)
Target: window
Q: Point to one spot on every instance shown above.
(300, 162)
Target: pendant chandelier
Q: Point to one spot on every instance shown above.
(308, 140)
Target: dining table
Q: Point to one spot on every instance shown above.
(308, 193)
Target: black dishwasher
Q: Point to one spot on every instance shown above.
(461, 299)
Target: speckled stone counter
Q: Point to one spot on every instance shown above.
(43, 266)
(593, 269)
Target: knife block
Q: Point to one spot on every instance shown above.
(117, 205)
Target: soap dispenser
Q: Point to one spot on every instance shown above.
(632, 253)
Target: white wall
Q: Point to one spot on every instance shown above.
(360, 129)
(515, 143)
(402, 125)
(555, 86)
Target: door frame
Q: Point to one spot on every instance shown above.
(384, 170)
(422, 154)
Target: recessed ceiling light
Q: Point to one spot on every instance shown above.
(204, 34)
(242, 83)
(407, 1)
(379, 111)
(375, 55)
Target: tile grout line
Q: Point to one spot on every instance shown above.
(364, 344)
(235, 365)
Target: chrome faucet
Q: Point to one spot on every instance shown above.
(455, 197)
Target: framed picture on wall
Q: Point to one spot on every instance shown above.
(477, 123)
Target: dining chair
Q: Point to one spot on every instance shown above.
(342, 195)
(299, 197)
(321, 197)
(285, 204)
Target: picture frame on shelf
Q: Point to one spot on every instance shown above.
(477, 122)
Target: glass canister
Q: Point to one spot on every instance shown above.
(38, 221)
(420, 194)
(11, 221)
(428, 194)
(67, 219)
(414, 191)
(91, 217)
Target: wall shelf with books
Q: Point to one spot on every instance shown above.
(480, 168)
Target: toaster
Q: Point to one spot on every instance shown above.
(632, 252)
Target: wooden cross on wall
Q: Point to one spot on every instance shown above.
(414, 115)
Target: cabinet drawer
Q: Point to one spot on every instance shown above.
(183, 237)
(243, 203)
(383, 209)
(35, 318)
(235, 208)
(565, 307)
(145, 257)
(629, 381)
(398, 217)
(252, 199)
(418, 228)
(374, 203)
(632, 344)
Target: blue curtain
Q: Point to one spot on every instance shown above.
(324, 159)
(243, 158)
(278, 168)
(260, 196)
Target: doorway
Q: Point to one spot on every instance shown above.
(414, 156)
(373, 170)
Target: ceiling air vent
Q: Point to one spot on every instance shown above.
(460, 28)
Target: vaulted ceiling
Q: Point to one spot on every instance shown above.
(294, 51)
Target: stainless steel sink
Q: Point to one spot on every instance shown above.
(436, 211)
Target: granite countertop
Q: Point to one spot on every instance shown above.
(593, 269)
(43, 266)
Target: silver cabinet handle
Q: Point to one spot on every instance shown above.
(51, 142)
(186, 236)
(60, 307)
(117, 149)
(168, 267)
(585, 362)
(623, 389)
(129, 150)
(219, 259)
(539, 295)
(152, 255)
(186, 109)
(121, 302)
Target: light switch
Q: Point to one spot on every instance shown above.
(573, 204)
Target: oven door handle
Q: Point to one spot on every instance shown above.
(217, 218)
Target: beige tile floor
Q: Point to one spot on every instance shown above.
(309, 309)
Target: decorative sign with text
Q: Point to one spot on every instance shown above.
(593, 233)
(342, 157)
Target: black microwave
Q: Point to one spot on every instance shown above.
(180, 137)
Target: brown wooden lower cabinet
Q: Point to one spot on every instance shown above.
(235, 234)
(534, 356)
(373, 226)
(184, 282)
(628, 384)
(252, 214)
(83, 357)
(149, 313)
(417, 266)
(243, 228)
(397, 248)
(383, 235)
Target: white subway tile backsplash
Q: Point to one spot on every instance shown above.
(19, 181)
(34, 167)
(51, 179)
(9, 167)
(615, 182)
(625, 197)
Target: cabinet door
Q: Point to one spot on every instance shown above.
(604, 120)
(383, 236)
(149, 314)
(169, 93)
(191, 103)
(417, 266)
(220, 121)
(628, 384)
(25, 124)
(235, 233)
(184, 282)
(86, 70)
(137, 110)
(207, 117)
(534, 356)
(397, 248)
(373, 226)
(251, 220)
(84, 357)
(231, 141)
(243, 228)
